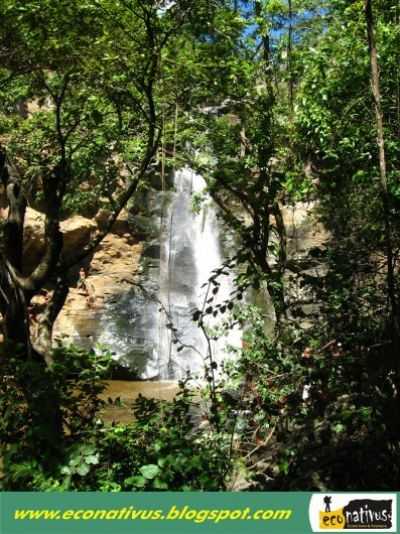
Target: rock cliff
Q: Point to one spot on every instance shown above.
(111, 271)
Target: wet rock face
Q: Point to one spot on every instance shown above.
(134, 290)
(154, 331)
(111, 272)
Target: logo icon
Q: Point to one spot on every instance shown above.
(353, 512)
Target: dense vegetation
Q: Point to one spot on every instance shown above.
(274, 102)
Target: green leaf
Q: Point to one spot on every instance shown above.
(136, 481)
(160, 484)
(65, 470)
(161, 462)
(83, 469)
(339, 428)
(149, 471)
(92, 459)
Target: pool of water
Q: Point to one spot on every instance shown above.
(128, 391)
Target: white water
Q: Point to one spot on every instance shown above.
(190, 249)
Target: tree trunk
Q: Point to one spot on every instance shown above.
(41, 397)
(43, 340)
(12, 300)
(289, 58)
(376, 92)
(266, 152)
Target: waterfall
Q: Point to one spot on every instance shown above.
(175, 284)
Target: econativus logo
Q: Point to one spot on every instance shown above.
(354, 512)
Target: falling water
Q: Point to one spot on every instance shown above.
(174, 285)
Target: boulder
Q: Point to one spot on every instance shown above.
(77, 232)
(303, 229)
(121, 225)
(33, 239)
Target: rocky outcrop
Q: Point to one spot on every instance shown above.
(305, 233)
(303, 229)
(113, 270)
(110, 272)
(77, 232)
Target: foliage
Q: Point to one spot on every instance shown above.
(271, 102)
(314, 414)
(77, 377)
(162, 449)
